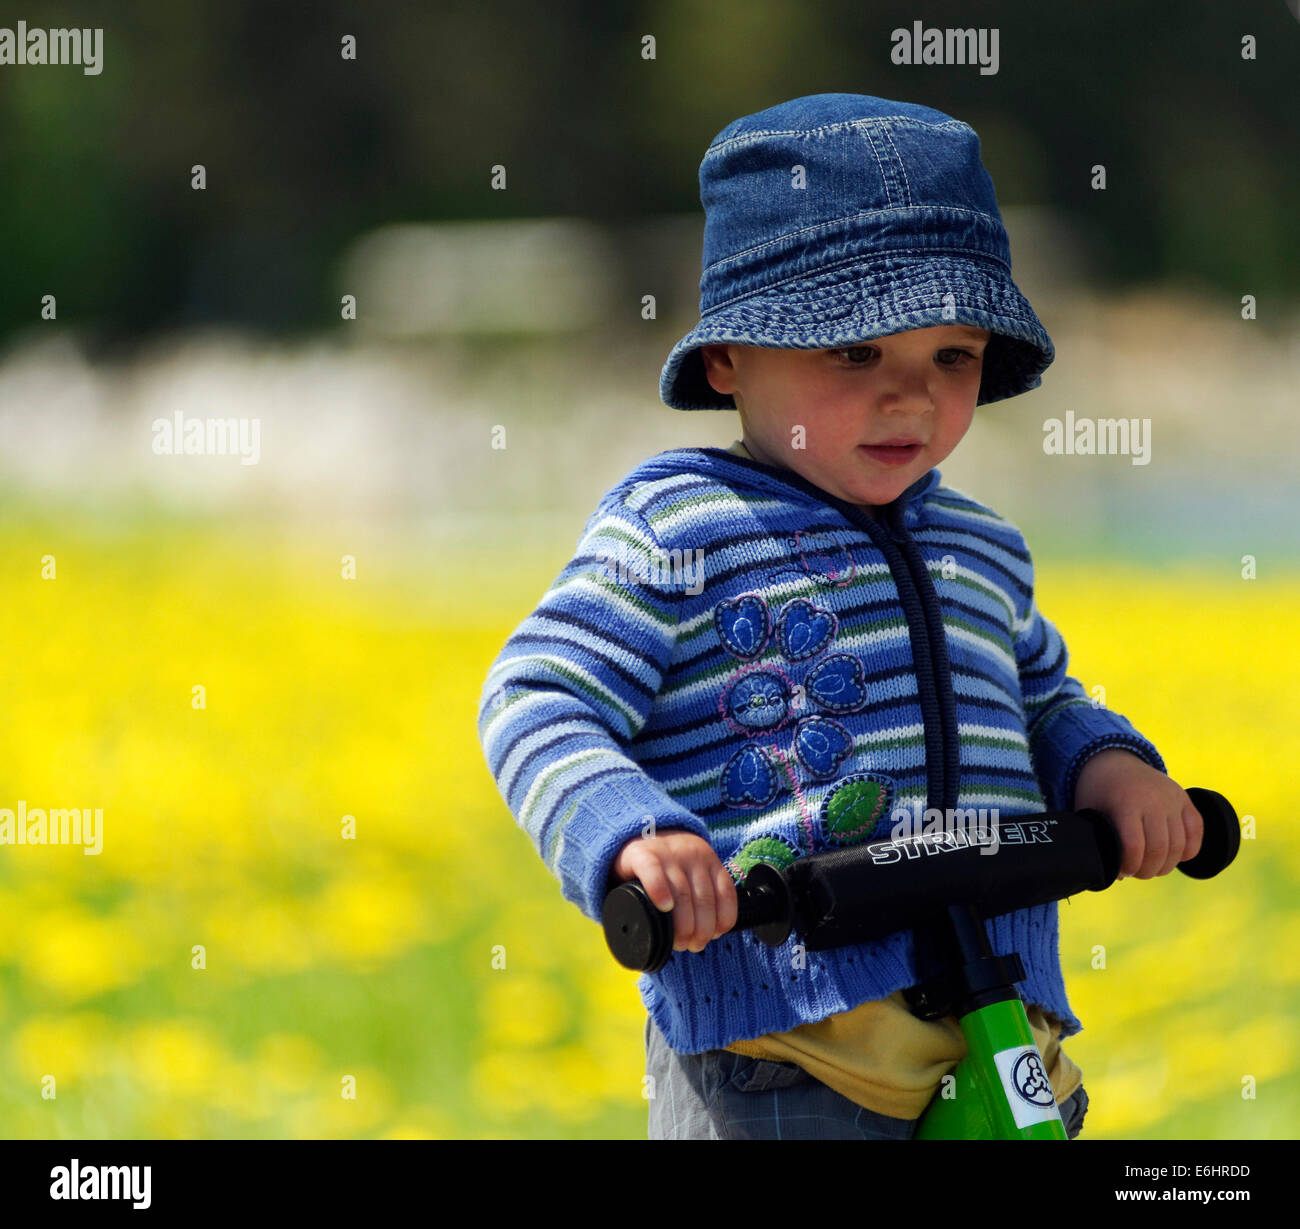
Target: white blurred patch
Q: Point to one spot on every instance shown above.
(395, 420)
(518, 276)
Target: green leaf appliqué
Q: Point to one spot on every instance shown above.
(852, 809)
(764, 849)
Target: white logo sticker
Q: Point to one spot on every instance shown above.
(1028, 1091)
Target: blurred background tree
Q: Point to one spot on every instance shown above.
(304, 150)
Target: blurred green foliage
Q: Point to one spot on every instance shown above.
(305, 150)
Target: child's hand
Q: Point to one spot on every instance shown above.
(680, 871)
(1158, 825)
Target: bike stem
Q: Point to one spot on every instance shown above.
(1000, 1089)
(963, 973)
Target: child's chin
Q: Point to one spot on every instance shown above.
(859, 488)
(877, 493)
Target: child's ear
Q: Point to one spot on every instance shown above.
(718, 369)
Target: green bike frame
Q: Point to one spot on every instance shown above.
(999, 1090)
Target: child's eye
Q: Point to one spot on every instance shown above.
(860, 356)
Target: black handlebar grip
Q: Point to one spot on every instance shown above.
(1221, 835)
(765, 905)
(641, 936)
(865, 892)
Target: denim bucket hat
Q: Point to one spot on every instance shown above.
(835, 219)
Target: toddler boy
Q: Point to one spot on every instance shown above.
(854, 642)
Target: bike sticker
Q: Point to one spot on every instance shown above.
(1026, 1086)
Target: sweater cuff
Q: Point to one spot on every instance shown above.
(611, 812)
(1071, 738)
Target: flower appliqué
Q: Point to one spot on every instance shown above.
(787, 710)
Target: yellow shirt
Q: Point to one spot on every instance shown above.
(879, 1055)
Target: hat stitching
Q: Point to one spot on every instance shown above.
(849, 123)
(728, 335)
(908, 279)
(903, 290)
(837, 328)
(994, 373)
(925, 253)
(884, 179)
(902, 168)
(848, 217)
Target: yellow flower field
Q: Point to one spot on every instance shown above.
(230, 965)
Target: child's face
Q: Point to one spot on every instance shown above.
(921, 385)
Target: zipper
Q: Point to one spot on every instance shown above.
(951, 939)
(929, 646)
(945, 696)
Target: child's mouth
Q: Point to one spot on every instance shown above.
(891, 454)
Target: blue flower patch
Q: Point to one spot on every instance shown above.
(750, 779)
(761, 700)
(803, 630)
(822, 745)
(838, 684)
(744, 625)
(758, 700)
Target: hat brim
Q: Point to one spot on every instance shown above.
(861, 301)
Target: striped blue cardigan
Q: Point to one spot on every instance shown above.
(735, 652)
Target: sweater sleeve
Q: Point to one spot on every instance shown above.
(568, 693)
(1065, 727)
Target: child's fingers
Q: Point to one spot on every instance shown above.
(652, 878)
(1194, 826)
(1177, 836)
(724, 894)
(704, 910)
(1132, 843)
(683, 913)
(1156, 831)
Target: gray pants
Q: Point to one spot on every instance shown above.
(721, 1095)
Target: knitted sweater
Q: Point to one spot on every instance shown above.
(734, 652)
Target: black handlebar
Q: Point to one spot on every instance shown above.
(866, 892)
